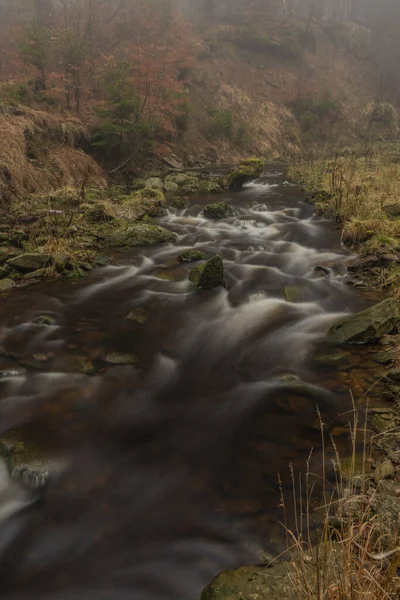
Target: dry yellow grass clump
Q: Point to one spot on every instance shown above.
(42, 153)
(356, 554)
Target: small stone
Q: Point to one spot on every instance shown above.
(6, 285)
(397, 492)
(121, 358)
(384, 470)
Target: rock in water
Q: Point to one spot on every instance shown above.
(247, 170)
(208, 275)
(191, 256)
(368, 325)
(218, 210)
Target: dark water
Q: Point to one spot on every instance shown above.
(167, 470)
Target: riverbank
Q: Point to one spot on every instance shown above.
(66, 233)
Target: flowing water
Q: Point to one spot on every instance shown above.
(165, 471)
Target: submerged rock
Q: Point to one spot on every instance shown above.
(218, 210)
(31, 261)
(140, 315)
(141, 234)
(191, 256)
(245, 171)
(121, 358)
(248, 583)
(208, 275)
(368, 325)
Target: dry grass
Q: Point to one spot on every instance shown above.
(268, 124)
(41, 154)
(356, 554)
(359, 188)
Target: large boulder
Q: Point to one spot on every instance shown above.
(368, 325)
(208, 275)
(141, 234)
(245, 171)
(31, 261)
(218, 210)
(250, 582)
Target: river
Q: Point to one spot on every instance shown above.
(164, 471)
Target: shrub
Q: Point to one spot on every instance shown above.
(221, 123)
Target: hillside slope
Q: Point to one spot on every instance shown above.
(258, 79)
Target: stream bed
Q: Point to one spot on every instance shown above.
(165, 413)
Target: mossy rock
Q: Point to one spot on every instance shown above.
(39, 274)
(191, 256)
(218, 210)
(208, 275)
(179, 203)
(154, 183)
(31, 262)
(141, 234)
(209, 187)
(245, 171)
(250, 583)
(180, 179)
(151, 200)
(369, 325)
(6, 285)
(170, 187)
(190, 188)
